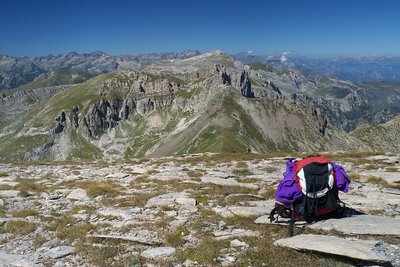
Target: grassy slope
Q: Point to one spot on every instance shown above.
(384, 136)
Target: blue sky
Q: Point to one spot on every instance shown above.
(323, 27)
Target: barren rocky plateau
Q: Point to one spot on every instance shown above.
(191, 210)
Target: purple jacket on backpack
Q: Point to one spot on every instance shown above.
(288, 191)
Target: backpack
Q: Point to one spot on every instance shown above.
(315, 177)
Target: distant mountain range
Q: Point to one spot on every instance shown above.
(191, 103)
(355, 69)
(18, 71)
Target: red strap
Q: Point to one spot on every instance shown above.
(300, 164)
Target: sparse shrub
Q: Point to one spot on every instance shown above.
(4, 174)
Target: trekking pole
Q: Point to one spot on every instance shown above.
(291, 223)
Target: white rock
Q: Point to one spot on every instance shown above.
(237, 243)
(78, 194)
(9, 193)
(1, 202)
(158, 252)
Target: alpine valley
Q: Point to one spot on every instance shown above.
(98, 106)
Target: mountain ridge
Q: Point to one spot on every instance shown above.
(205, 103)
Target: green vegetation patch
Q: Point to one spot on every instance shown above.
(81, 148)
(19, 228)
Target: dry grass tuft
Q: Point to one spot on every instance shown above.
(95, 189)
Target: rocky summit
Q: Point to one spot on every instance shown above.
(198, 210)
(192, 103)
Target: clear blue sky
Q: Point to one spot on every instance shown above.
(315, 27)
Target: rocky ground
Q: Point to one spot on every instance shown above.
(198, 210)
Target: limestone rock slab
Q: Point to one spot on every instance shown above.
(230, 233)
(59, 252)
(9, 193)
(158, 252)
(228, 182)
(248, 211)
(27, 260)
(361, 224)
(366, 250)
